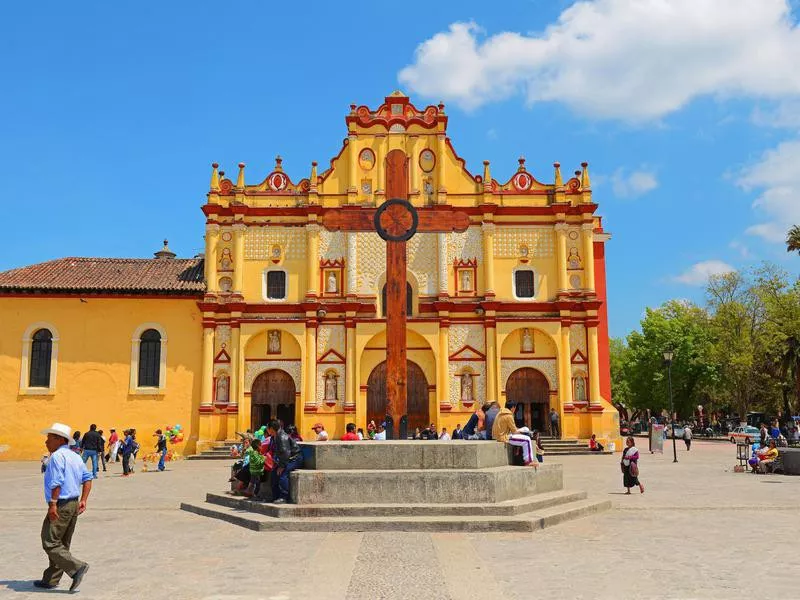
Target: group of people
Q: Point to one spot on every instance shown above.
(271, 457)
(93, 446)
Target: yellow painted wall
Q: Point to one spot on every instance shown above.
(93, 370)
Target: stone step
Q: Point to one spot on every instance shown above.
(575, 452)
(423, 486)
(525, 522)
(209, 457)
(506, 508)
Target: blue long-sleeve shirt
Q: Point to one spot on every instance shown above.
(66, 470)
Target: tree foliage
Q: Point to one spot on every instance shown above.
(739, 352)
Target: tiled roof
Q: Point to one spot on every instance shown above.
(109, 275)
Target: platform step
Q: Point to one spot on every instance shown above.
(526, 522)
(506, 508)
(202, 456)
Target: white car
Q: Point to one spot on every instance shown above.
(745, 435)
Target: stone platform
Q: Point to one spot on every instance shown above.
(409, 486)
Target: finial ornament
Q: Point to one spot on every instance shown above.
(559, 182)
(214, 177)
(240, 178)
(585, 183)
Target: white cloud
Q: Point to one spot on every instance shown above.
(785, 114)
(634, 185)
(624, 59)
(742, 249)
(774, 175)
(699, 273)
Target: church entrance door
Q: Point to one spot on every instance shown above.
(417, 387)
(272, 396)
(529, 389)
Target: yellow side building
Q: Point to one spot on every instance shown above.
(283, 318)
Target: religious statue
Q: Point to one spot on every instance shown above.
(574, 260)
(527, 341)
(427, 188)
(580, 389)
(223, 384)
(274, 342)
(331, 286)
(330, 387)
(466, 388)
(466, 281)
(225, 261)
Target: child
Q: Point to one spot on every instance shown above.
(256, 466)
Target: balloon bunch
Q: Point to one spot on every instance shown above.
(261, 433)
(174, 433)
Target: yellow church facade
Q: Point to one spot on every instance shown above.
(283, 318)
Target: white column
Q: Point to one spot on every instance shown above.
(352, 263)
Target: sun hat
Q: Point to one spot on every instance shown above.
(60, 430)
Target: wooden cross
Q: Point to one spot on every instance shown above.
(396, 221)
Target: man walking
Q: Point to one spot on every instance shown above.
(555, 429)
(687, 437)
(287, 458)
(161, 448)
(92, 445)
(67, 484)
(113, 447)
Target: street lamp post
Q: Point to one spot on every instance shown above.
(668, 354)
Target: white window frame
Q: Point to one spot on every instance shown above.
(536, 284)
(162, 371)
(264, 284)
(25, 360)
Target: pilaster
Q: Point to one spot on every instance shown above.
(351, 383)
(443, 266)
(587, 237)
(212, 240)
(595, 399)
(310, 383)
(443, 366)
(238, 257)
(312, 235)
(561, 255)
(488, 257)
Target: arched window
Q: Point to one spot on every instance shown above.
(409, 300)
(149, 358)
(41, 355)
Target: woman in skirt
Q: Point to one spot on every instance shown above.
(630, 467)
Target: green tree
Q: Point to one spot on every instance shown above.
(683, 327)
(793, 239)
(620, 390)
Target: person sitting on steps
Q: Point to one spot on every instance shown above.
(594, 445)
(288, 457)
(505, 430)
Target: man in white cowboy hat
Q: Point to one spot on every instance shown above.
(67, 484)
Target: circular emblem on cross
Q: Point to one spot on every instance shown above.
(396, 220)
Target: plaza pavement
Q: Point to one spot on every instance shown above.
(699, 531)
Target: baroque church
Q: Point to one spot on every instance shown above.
(284, 318)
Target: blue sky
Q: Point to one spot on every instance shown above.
(688, 116)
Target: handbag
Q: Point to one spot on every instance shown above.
(634, 469)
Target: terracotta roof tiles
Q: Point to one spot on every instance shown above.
(109, 275)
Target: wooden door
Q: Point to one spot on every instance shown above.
(417, 388)
(529, 388)
(272, 395)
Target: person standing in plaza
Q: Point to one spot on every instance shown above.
(161, 448)
(630, 466)
(102, 452)
(92, 445)
(127, 451)
(555, 428)
(67, 484)
(113, 446)
(687, 437)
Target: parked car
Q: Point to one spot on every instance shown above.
(745, 435)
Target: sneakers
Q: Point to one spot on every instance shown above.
(78, 577)
(41, 584)
(279, 501)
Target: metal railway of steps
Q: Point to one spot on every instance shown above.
(409, 486)
(566, 447)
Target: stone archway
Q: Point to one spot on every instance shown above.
(417, 390)
(529, 389)
(272, 396)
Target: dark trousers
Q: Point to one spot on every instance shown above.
(56, 539)
(688, 444)
(280, 483)
(555, 429)
(126, 460)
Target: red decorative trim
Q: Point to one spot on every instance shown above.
(273, 359)
(349, 409)
(595, 408)
(222, 357)
(205, 409)
(461, 162)
(455, 355)
(232, 409)
(446, 407)
(192, 296)
(339, 359)
(310, 409)
(383, 116)
(363, 388)
(578, 357)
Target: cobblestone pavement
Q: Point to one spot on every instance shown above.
(699, 531)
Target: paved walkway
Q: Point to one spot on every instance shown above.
(697, 532)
